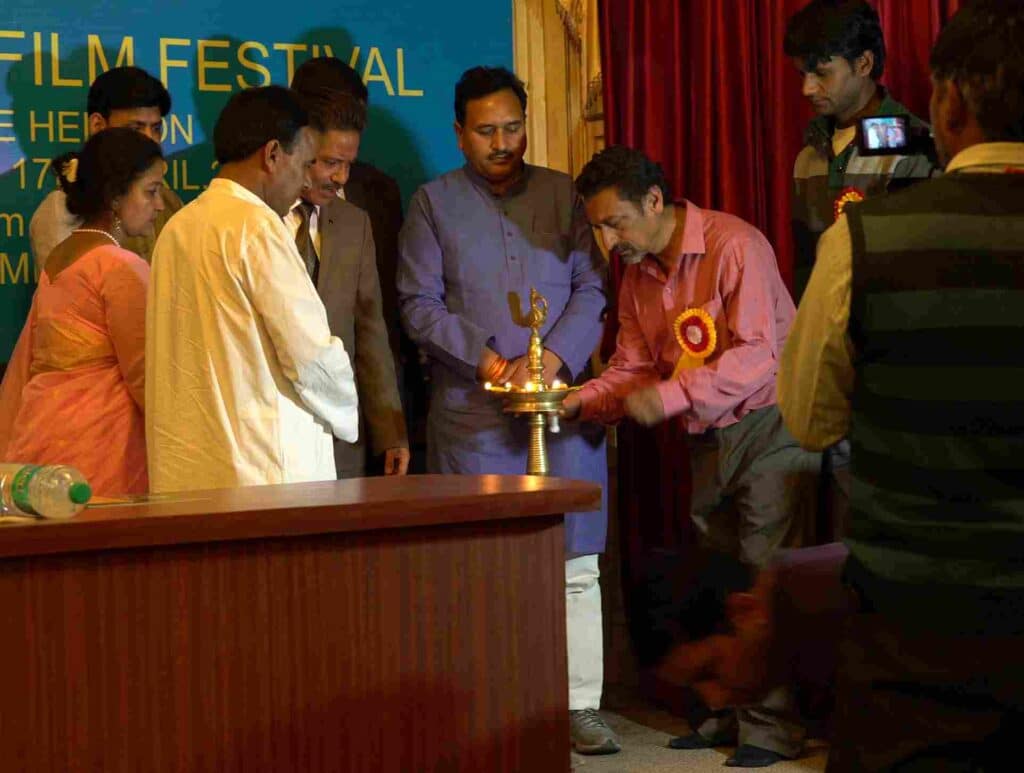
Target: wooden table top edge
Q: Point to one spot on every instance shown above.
(302, 509)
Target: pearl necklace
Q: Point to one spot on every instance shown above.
(96, 231)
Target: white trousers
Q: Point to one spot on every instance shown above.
(584, 634)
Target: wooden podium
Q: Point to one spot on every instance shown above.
(406, 625)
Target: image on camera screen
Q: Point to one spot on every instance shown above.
(882, 133)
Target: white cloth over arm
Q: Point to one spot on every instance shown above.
(314, 361)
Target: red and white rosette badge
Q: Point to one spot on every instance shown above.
(849, 195)
(695, 332)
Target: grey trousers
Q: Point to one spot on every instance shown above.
(754, 492)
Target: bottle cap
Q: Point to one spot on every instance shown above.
(80, 493)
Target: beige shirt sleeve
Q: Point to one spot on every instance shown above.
(816, 378)
(50, 225)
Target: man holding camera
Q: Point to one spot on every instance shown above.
(838, 47)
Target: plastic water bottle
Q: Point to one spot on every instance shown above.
(45, 490)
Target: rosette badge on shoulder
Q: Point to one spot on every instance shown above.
(695, 332)
(849, 195)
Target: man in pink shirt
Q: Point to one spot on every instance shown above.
(703, 317)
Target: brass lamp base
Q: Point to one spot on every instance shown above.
(542, 408)
(535, 399)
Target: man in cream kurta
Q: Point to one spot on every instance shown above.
(244, 383)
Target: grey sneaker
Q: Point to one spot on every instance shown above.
(590, 734)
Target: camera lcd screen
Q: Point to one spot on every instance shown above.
(883, 135)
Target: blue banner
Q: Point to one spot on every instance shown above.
(409, 53)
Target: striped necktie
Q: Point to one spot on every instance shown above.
(304, 241)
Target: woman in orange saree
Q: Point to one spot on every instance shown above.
(73, 391)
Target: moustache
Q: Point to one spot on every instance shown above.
(330, 188)
(500, 156)
(626, 253)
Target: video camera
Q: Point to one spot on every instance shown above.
(893, 135)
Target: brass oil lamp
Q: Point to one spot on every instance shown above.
(538, 401)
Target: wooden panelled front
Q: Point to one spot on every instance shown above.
(434, 648)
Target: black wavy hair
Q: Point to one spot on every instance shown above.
(335, 112)
(478, 82)
(627, 169)
(254, 117)
(329, 74)
(826, 28)
(108, 164)
(126, 88)
(981, 49)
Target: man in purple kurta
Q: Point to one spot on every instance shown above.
(473, 236)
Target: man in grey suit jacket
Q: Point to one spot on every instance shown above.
(367, 186)
(335, 239)
(376, 192)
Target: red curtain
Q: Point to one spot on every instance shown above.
(705, 89)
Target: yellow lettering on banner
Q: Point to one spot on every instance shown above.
(290, 50)
(64, 126)
(7, 125)
(10, 220)
(327, 50)
(206, 64)
(55, 65)
(402, 90)
(352, 60)
(125, 55)
(166, 63)
(178, 170)
(19, 166)
(6, 56)
(44, 167)
(185, 186)
(33, 124)
(178, 130)
(37, 56)
(382, 76)
(251, 65)
(7, 270)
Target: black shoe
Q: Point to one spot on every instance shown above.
(696, 741)
(747, 756)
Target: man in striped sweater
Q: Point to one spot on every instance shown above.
(908, 340)
(838, 47)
